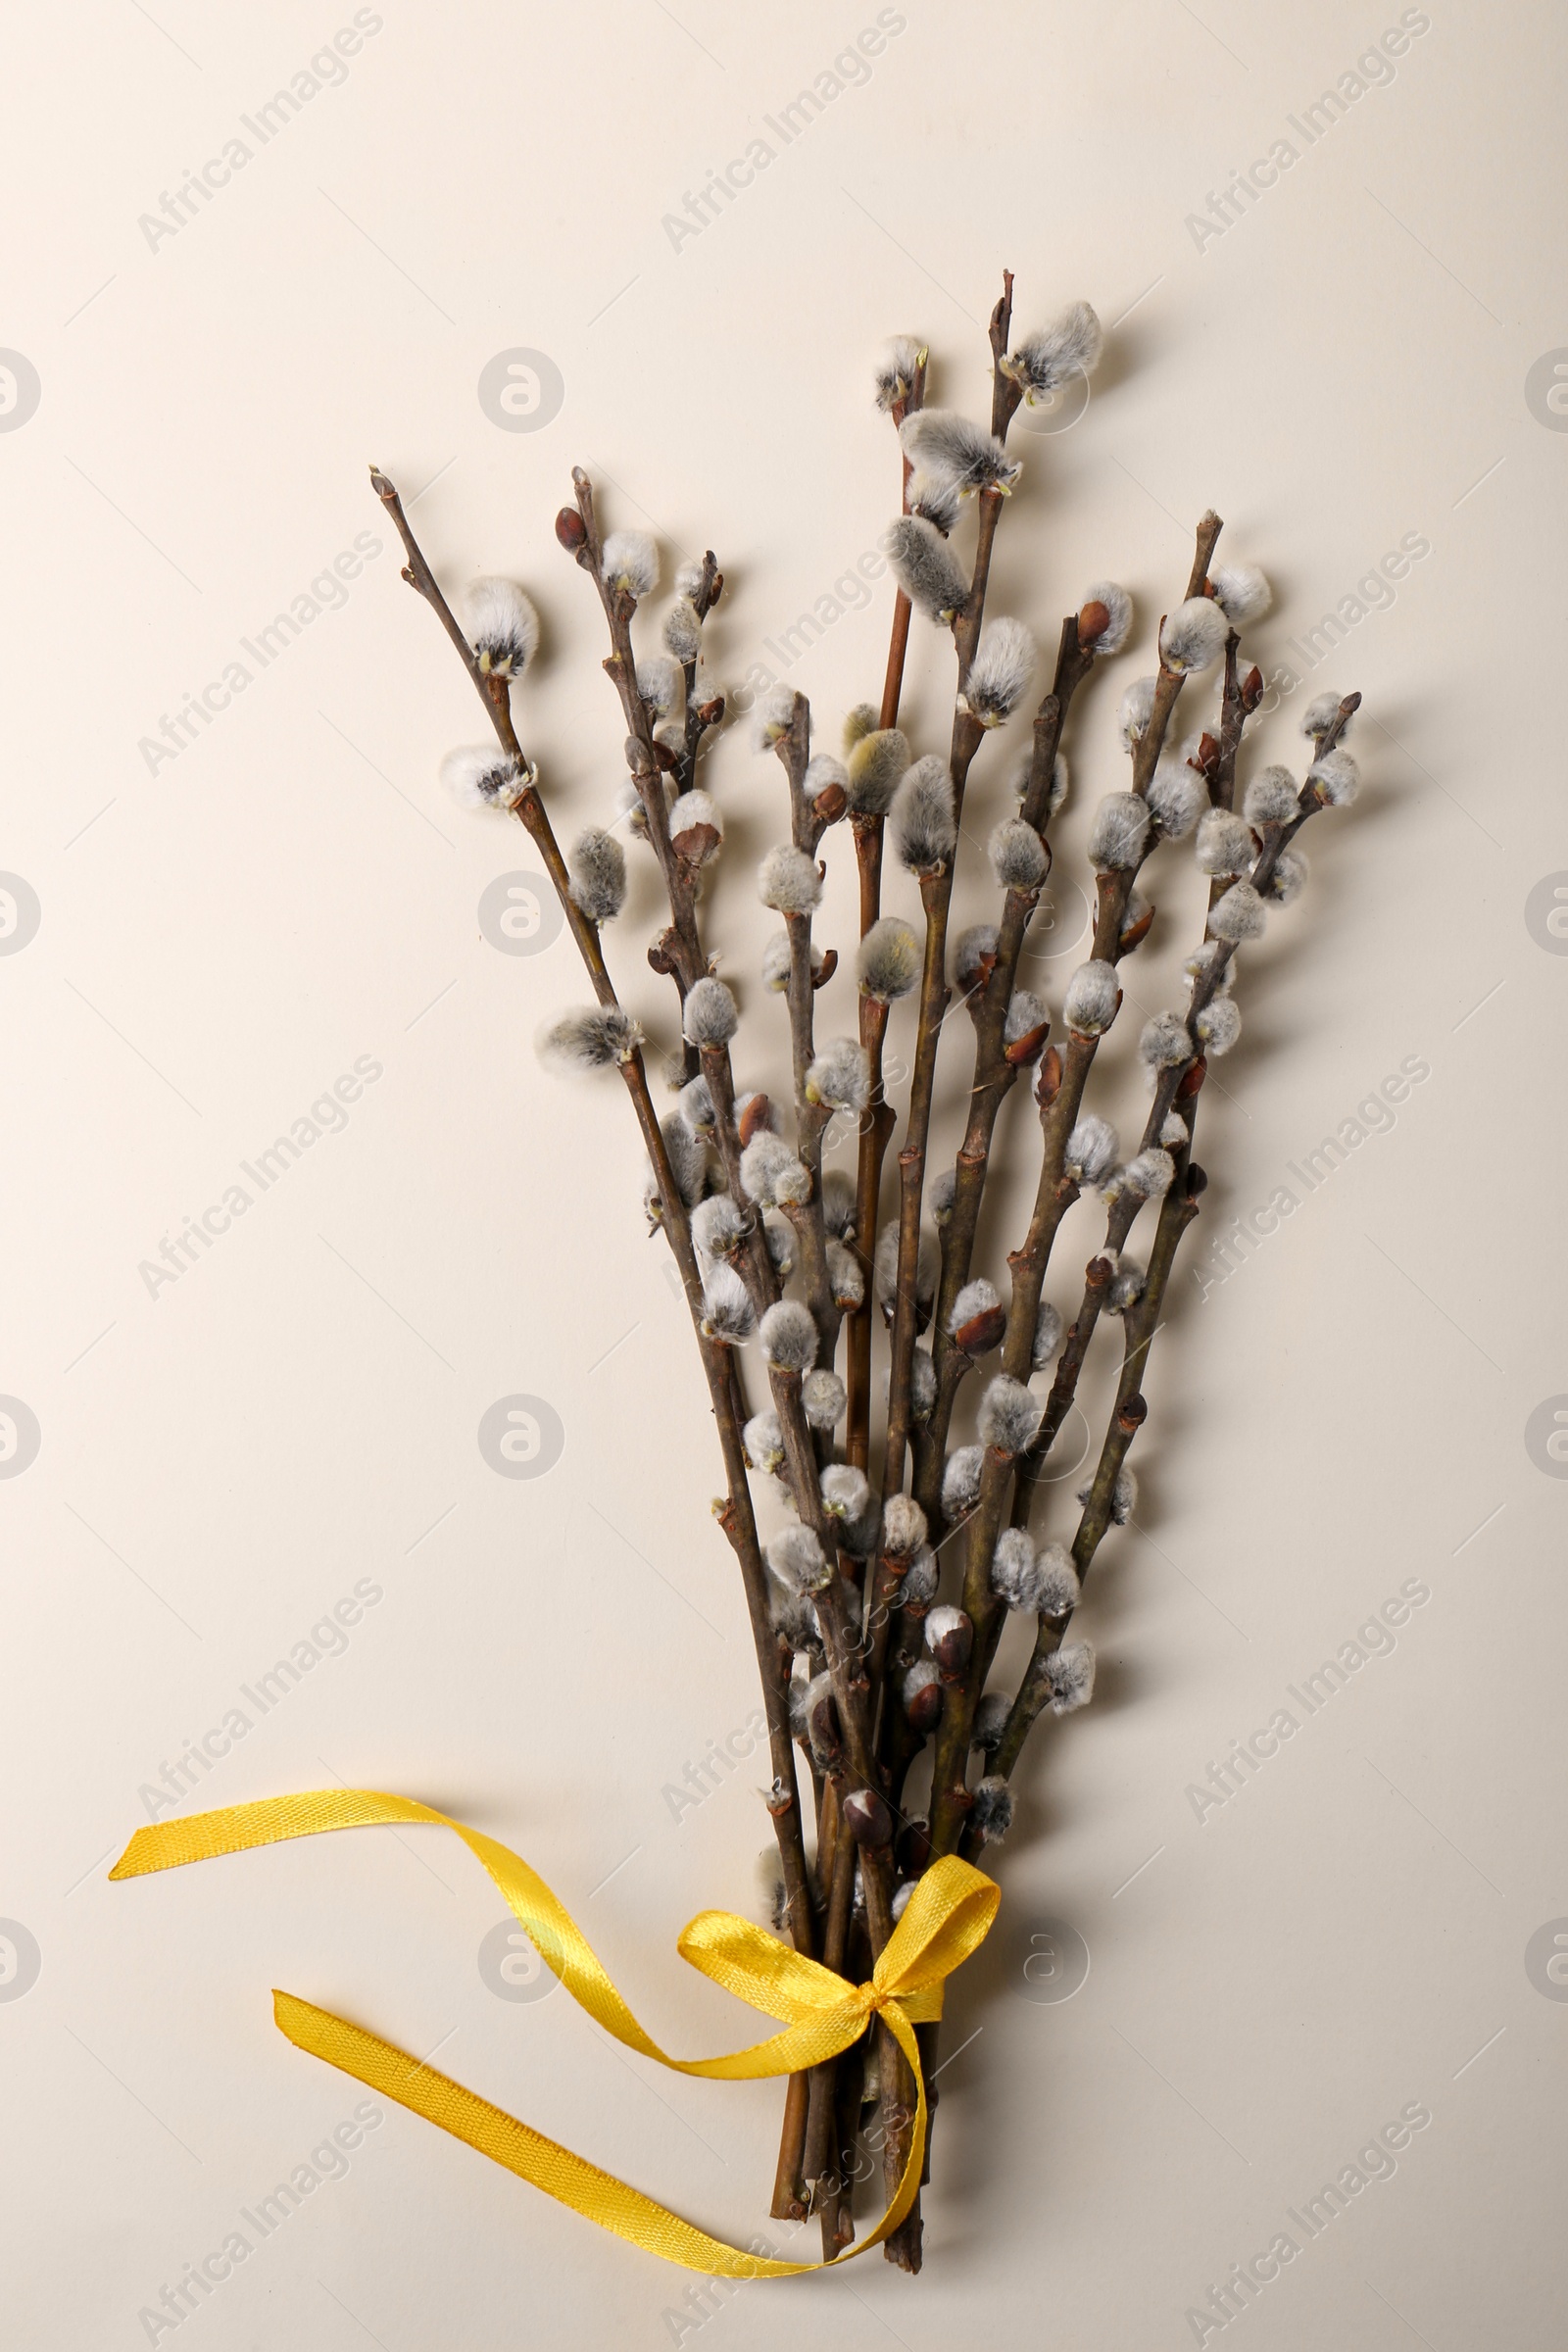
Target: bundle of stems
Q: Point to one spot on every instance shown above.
(871, 1671)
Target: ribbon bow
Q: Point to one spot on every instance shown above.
(947, 1918)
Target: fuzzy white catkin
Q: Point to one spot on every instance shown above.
(1010, 1415)
(961, 1481)
(1193, 636)
(697, 1106)
(479, 776)
(1069, 345)
(921, 1579)
(923, 821)
(977, 1297)
(822, 1399)
(920, 1677)
(766, 1162)
(796, 1556)
(762, 1440)
(709, 1018)
(591, 1038)
(774, 717)
(926, 567)
(885, 1265)
(788, 881)
(1177, 797)
(936, 498)
(1242, 592)
(846, 1280)
(823, 771)
(1149, 1174)
(1069, 1674)
(1058, 1582)
(903, 1526)
(1048, 1336)
(896, 371)
(1017, 855)
(788, 1333)
(1026, 1017)
(990, 1814)
(1012, 1569)
(629, 559)
(1220, 1025)
(940, 1196)
(846, 1491)
(875, 760)
(1091, 1151)
(1119, 832)
(1093, 995)
(971, 950)
(1239, 915)
(1163, 1043)
(1320, 715)
(888, 962)
(1225, 844)
(597, 866)
(719, 1226)
(1271, 797)
(1123, 1498)
(1337, 778)
(922, 1385)
(1136, 712)
(776, 962)
(1290, 873)
(728, 1314)
(1003, 663)
(838, 1201)
(1175, 1132)
(659, 683)
(1119, 604)
(990, 1722)
(953, 453)
(683, 631)
(779, 1233)
(694, 810)
(501, 627)
(688, 1158)
(839, 1077)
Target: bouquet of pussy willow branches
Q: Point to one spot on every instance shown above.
(878, 1603)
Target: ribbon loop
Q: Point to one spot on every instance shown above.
(946, 1919)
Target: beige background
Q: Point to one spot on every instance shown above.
(220, 939)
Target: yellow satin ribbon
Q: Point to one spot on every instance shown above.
(947, 1917)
